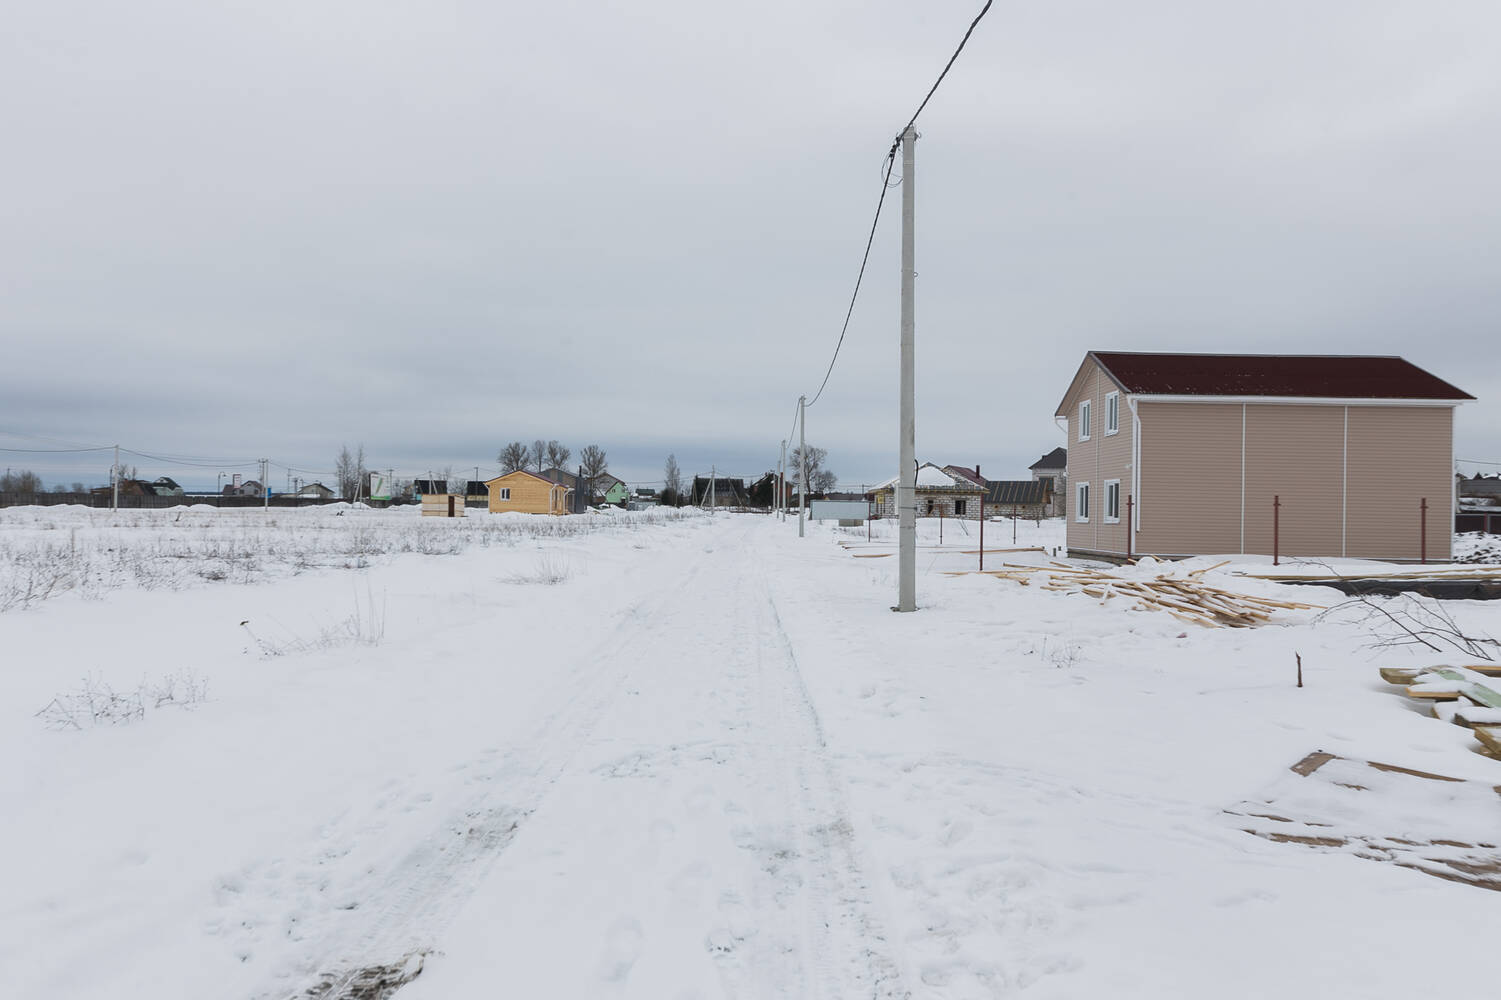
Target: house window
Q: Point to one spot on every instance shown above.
(505, 493)
(1112, 413)
(930, 508)
(958, 508)
(1081, 504)
(1112, 501)
(1084, 408)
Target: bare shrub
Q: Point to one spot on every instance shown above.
(1063, 653)
(96, 703)
(1411, 620)
(364, 626)
(550, 569)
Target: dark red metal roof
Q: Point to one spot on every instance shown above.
(1327, 376)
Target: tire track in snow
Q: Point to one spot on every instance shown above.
(811, 875)
(399, 922)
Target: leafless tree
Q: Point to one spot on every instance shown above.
(592, 458)
(512, 457)
(558, 455)
(537, 455)
(20, 481)
(672, 477)
(78, 488)
(349, 470)
(820, 479)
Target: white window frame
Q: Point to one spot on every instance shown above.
(1112, 413)
(1081, 503)
(1112, 485)
(505, 493)
(1084, 415)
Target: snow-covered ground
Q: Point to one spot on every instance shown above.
(634, 755)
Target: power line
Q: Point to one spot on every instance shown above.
(201, 464)
(864, 260)
(885, 186)
(67, 445)
(946, 68)
(49, 451)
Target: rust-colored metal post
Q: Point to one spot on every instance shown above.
(940, 524)
(1276, 527)
(1013, 524)
(1128, 527)
(1423, 531)
(982, 516)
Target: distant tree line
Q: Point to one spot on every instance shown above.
(26, 481)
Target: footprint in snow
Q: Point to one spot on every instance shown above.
(622, 948)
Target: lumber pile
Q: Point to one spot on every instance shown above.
(1458, 695)
(1185, 596)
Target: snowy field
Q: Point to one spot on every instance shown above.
(300, 753)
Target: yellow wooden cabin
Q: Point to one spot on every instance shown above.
(527, 493)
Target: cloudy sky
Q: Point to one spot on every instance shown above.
(268, 228)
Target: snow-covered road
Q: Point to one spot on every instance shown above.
(708, 763)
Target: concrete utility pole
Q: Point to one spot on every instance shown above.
(782, 483)
(906, 493)
(115, 480)
(802, 454)
(266, 484)
(713, 496)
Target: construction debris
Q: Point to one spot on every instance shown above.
(1183, 595)
(1431, 823)
(1458, 696)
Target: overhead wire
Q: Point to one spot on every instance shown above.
(885, 186)
(948, 66)
(864, 260)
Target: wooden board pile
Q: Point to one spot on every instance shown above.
(1431, 823)
(1458, 695)
(1184, 596)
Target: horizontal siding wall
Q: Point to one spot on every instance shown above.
(1082, 457)
(1398, 456)
(529, 495)
(1190, 478)
(1103, 457)
(1295, 453)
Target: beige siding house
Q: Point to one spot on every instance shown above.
(1197, 447)
(527, 493)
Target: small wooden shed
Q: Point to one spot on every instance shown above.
(442, 505)
(527, 493)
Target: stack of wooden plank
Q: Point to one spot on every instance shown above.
(1458, 695)
(1183, 595)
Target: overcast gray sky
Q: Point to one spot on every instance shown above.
(241, 229)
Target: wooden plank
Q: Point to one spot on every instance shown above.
(1489, 737)
(1478, 693)
(1438, 695)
